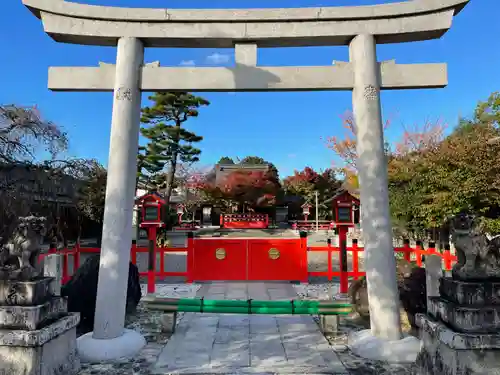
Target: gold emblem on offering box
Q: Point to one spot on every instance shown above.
(220, 253)
(274, 253)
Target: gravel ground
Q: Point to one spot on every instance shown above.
(356, 365)
(147, 322)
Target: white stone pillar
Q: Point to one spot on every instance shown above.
(433, 274)
(52, 267)
(380, 264)
(109, 340)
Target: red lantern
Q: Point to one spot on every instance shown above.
(152, 210)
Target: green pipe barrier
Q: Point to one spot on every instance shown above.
(243, 310)
(248, 303)
(291, 310)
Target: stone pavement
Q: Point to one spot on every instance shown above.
(247, 344)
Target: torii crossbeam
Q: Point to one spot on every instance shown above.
(249, 78)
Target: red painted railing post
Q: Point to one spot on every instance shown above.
(76, 258)
(447, 257)
(419, 249)
(162, 258)
(65, 273)
(190, 258)
(329, 244)
(407, 250)
(432, 248)
(355, 259)
(344, 278)
(133, 252)
(152, 260)
(304, 263)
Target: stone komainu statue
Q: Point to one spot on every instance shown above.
(19, 255)
(478, 257)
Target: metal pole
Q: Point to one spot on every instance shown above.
(317, 210)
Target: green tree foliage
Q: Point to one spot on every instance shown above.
(489, 110)
(225, 160)
(248, 160)
(429, 184)
(168, 142)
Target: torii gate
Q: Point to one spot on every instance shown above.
(131, 30)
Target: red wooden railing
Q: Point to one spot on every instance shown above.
(77, 250)
(411, 254)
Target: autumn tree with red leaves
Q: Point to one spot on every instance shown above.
(250, 188)
(345, 147)
(306, 182)
(404, 163)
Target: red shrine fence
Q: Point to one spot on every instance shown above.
(244, 221)
(253, 259)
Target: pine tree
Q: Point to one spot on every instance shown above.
(168, 143)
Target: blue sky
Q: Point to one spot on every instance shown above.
(284, 128)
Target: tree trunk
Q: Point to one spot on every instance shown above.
(173, 164)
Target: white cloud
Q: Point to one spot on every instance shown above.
(217, 58)
(187, 63)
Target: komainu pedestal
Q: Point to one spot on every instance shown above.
(447, 352)
(461, 331)
(37, 334)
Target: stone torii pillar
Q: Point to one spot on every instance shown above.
(380, 264)
(109, 339)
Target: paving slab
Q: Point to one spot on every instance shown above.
(247, 344)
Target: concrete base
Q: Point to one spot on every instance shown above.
(168, 322)
(27, 293)
(329, 324)
(365, 345)
(50, 350)
(466, 318)
(30, 317)
(447, 352)
(93, 350)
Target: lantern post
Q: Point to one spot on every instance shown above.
(306, 210)
(152, 212)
